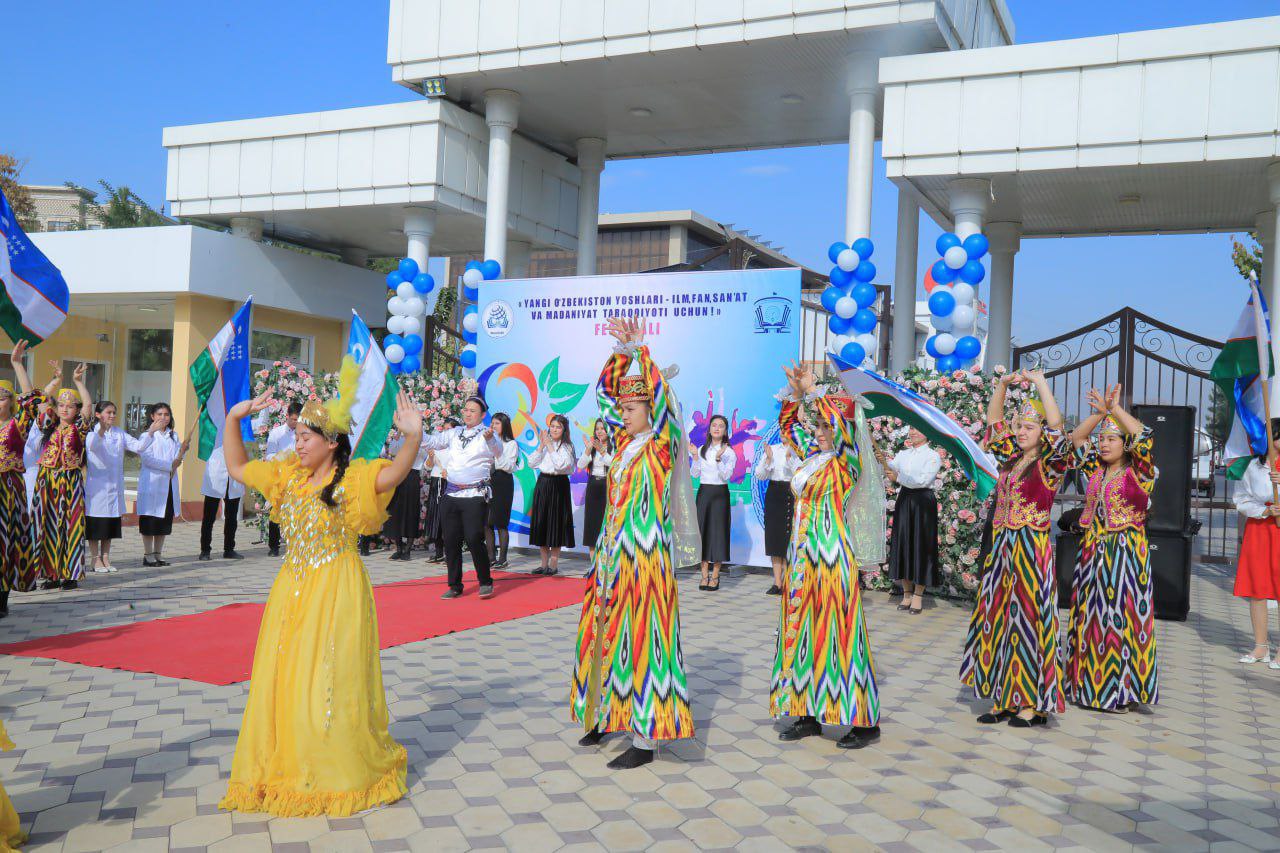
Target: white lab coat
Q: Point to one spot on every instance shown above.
(157, 471)
(31, 460)
(104, 470)
(215, 483)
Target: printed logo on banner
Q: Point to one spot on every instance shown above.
(773, 314)
(497, 319)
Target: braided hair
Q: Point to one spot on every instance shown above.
(341, 459)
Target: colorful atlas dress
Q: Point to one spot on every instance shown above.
(17, 536)
(1111, 642)
(11, 834)
(59, 500)
(1011, 654)
(628, 672)
(314, 740)
(823, 666)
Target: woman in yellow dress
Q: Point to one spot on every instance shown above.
(314, 738)
(11, 834)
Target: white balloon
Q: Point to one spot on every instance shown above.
(394, 353)
(414, 306)
(837, 343)
(867, 341)
(410, 326)
(395, 324)
(846, 307)
(962, 318)
(945, 344)
(963, 293)
(469, 322)
(848, 260)
(942, 324)
(395, 305)
(472, 277)
(406, 290)
(956, 257)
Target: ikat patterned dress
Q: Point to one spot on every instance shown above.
(17, 536)
(59, 500)
(1111, 642)
(628, 672)
(1011, 654)
(823, 665)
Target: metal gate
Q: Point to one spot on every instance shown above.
(1157, 364)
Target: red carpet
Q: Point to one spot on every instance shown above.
(216, 646)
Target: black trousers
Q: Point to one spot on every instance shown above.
(273, 536)
(230, 513)
(464, 519)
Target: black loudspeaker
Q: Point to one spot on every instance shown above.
(1173, 436)
(1170, 555)
(1068, 554)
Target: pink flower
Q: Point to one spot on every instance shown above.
(969, 580)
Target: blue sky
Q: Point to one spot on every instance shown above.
(96, 82)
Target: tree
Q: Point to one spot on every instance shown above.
(124, 208)
(1247, 258)
(19, 198)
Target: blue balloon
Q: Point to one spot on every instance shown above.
(468, 358)
(968, 348)
(942, 273)
(469, 337)
(423, 283)
(947, 364)
(490, 269)
(972, 272)
(472, 265)
(470, 309)
(391, 341)
(864, 247)
(853, 353)
(408, 269)
(471, 294)
(394, 279)
(946, 241)
(864, 321)
(834, 250)
(941, 302)
(864, 294)
(865, 271)
(841, 278)
(394, 368)
(931, 347)
(839, 325)
(975, 246)
(829, 297)
(411, 364)
(412, 344)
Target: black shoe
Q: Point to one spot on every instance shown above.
(591, 738)
(273, 552)
(232, 555)
(70, 584)
(50, 585)
(632, 758)
(801, 729)
(553, 570)
(858, 737)
(774, 590)
(498, 564)
(436, 558)
(486, 590)
(541, 570)
(4, 603)
(364, 549)
(453, 593)
(1016, 722)
(398, 556)
(714, 587)
(205, 557)
(990, 719)
(161, 563)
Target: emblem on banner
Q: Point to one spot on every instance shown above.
(773, 314)
(497, 319)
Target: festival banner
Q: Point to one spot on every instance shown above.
(542, 343)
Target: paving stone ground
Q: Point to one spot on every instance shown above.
(122, 761)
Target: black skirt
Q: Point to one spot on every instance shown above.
(404, 513)
(551, 519)
(150, 525)
(503, 491)
(779, 509)
(432, 491)
(593, 510)
(97, 528)
(913, 547)
(713, 522)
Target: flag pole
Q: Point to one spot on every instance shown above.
(1264, 366)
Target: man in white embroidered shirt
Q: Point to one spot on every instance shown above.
(464, 508)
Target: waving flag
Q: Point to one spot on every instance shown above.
(886, 398)
(375, 404)
(33, 295)
(221, 378)
(1235, 372)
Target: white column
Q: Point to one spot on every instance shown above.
(248, 227)
(501, 107)
(355, 256)
(904, 284)
(590, 164)
(419, 228)
(864, 98)
(519, 253)
(970, 201)
(1005, 238)
(1269, 283)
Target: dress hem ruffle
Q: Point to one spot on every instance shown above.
(281, 801)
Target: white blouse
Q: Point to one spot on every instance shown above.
(916, 467)
(104, 470)
(157, 479)
(712, 471)
(599, 466)
(509, 459)
(394, 445)
(1254, 493)
(557, 460)
(782, 467)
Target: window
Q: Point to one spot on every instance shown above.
(628, 250)
(267, 347)
(59, 225)
(151, 349)
(95, 377)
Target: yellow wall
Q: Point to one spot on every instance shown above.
(77, 340)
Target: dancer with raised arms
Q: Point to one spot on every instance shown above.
(59, 500)
(17, 546)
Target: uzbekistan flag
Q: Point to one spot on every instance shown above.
(886, 398)
(1235, 372)
(375, 405)
(33, 295)
(221, 378)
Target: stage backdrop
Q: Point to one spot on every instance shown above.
(543, 342)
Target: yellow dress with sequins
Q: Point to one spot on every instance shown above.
(11, 834)
(314, 740)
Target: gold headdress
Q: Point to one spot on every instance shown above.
(634, 389)
(333, 417)
(6, 387)
(69, 395)
(1032, 410)
(1110, 426)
